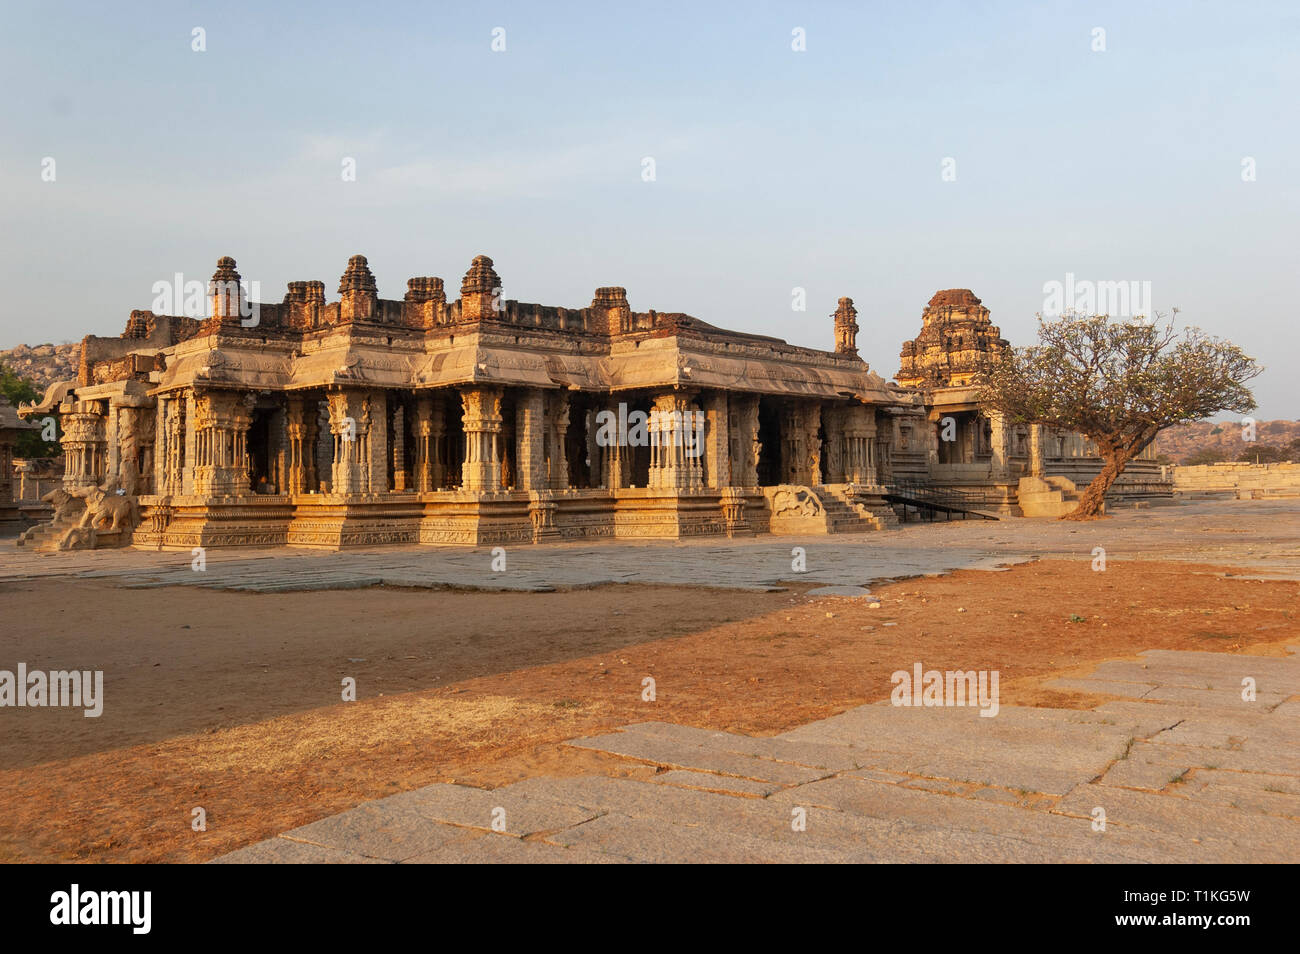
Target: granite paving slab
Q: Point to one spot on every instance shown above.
(1178, 781)
(685, 755)
(1258, 837)
(376, 830)
(499, 810)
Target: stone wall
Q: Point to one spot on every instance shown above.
(1245, 480)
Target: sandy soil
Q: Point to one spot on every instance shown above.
(232, 701)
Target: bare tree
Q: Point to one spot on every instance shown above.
(1118, 383)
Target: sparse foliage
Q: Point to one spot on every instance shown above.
(1207, 455)
(1119, 383)
(1267, 454)
(18, 390)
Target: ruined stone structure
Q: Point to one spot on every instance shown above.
(1013, 468)
(475, 421)
(486, 420)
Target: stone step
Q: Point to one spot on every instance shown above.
(1262, 838)
(830, 757)
(283, 851)
(479, 848)
(686, 755)
(653, 840)
(1226, 699)
(658, 823)
(1053, 836)
(844, 517)
(378, 830)
(882, 724)
(1200, 677)
(1048, 755)
(479, 808)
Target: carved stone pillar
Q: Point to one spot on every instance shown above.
(189, 455)
(324, 449)
(838, 449)
(310, 443)
(745, 444)
(812, 425)
(506, 449)
(301, 428)
(133, 433)
(717, 440)
(884, 462)
(85, 445)
(1000, 446)
(794, 450)
(481, 409)
(595, 455)
(613, 445)
(530, 440)
(676, 442)
(430, 426)
(162, 443)
(350, 421)
(800, 446)
(374, 412)
(557, 430)
(614, 466)
(858, 443)
(1036, 450)
(221, 422)
(398, 449)
(178, 430)
(169, 445)
(278, 448)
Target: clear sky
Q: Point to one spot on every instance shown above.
(774, 169)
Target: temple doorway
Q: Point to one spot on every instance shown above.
(638, 453)
(261, 478)
(453, 446)
(769, 436)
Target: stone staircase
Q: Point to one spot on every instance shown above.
(796, 509)
(851, 513)
(1046, 496)
(41, 537)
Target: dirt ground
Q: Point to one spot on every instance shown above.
(232, 702)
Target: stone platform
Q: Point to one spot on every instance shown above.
(1183, 771)
(1258, 537)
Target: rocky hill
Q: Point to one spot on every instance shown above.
(1179, 443)
(44, 364)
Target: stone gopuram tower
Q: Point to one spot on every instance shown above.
(956, 337)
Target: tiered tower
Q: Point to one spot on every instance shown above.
(956, 339)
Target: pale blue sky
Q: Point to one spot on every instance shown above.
(775, 169)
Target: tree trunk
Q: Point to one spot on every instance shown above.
(1091, 502)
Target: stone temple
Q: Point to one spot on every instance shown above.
(368, 421)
